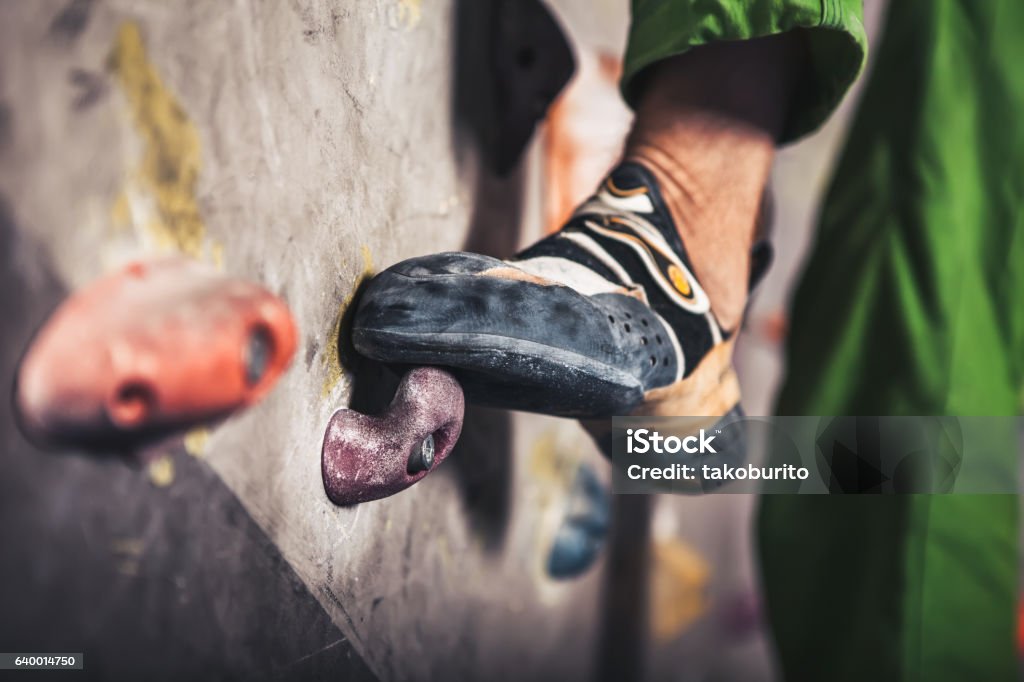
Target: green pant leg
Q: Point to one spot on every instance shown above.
(911, 305)
(834, 32)
(891, 588)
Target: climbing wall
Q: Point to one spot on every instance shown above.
(305, 145)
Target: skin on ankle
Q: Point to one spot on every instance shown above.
(706, 126)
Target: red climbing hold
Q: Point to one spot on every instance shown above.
(155, 348)
(369, 457)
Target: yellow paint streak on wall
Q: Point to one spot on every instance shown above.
(548, 463)
(121, 213)
(678, 595)
(127, 546)
(444, 552)
(171, 161)
(217, 255)
(161, 471)
(333, 370)
(196, 440)
(332, 360)
(129, 551)
(410, 13)
(128, 568)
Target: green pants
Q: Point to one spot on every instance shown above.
(912, 303)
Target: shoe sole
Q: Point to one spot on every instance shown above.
(515, 374)
(510, 373)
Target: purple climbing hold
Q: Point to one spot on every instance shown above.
(369, 457)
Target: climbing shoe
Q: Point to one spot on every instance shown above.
(604, 317)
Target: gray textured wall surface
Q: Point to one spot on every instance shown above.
(303, 145)
(149, 583)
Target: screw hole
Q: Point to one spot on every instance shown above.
(654, 361)
(132, 403)
(643, 340)
(657, 337)
(643, 321)
(627, 327)
(258, 352)
(611, 319)
(664, 361)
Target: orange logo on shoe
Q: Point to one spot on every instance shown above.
(661, 263)
(632, 192)
(679, 281)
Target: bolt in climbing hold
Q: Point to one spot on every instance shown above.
(423, 457)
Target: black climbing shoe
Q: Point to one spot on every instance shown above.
(604, 317)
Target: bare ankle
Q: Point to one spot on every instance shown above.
(713, 192)
(706, 126)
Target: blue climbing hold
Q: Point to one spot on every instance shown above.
(582, 535)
